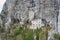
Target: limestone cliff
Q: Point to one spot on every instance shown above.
(24, 9)
(16, 11)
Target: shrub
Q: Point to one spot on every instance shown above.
(2, 30)
(28, 35)
(56, 36)
(16, 32)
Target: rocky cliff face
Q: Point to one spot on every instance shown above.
(16, 11)
(19, 10)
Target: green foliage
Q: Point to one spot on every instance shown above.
(38, 31)
(16, 32)
(2, 30)
(28, 35)
(21, 28)
(56, 36)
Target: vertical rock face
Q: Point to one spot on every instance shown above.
(22, 10)
(49, 11)
(40, 9)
